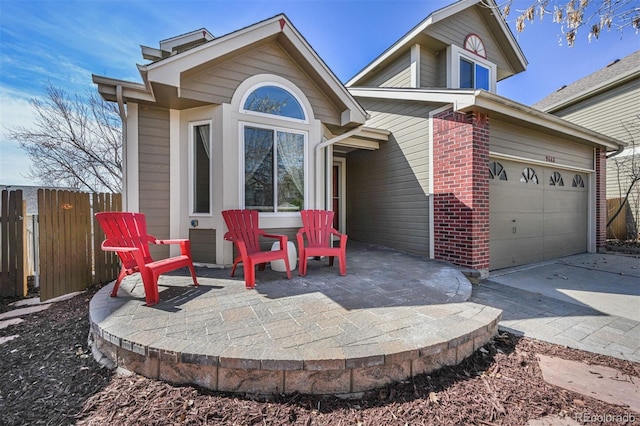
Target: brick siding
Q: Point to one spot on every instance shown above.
(461, 188)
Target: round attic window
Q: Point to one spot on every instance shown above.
(474, 44)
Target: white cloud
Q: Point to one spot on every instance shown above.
(15, 109)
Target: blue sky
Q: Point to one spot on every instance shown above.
(64, 42)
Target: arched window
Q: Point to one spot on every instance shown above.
(271, 99)
(497, 171)
(556, 179)
(577, 182)
(529, 175)
(274, 135)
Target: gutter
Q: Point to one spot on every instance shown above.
(616, 152)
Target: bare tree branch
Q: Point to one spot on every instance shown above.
(595, 16)
(74, 142)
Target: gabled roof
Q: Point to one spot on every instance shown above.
(491, 12)
(617, 72)
(167, 71)
(499, 107)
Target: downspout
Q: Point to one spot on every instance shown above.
(325, 144)
(123, 117)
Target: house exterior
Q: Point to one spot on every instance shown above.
(608, 101)
(415, 152)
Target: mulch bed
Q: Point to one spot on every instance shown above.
(48, 376)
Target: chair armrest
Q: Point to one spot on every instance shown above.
(242, 246)
(136, 252)
(185, 245)
(176, 241)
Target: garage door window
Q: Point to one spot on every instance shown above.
(497, 171)
(529, 175)
(556, 179)
(577, 182)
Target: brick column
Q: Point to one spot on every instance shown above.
(601, 200)
(461, 189)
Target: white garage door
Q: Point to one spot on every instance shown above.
(536, 213)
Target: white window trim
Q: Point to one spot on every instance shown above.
(255, 87)
(275, 128)
(454, 53)
(192, 126)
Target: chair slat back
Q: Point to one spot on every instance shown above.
(125, 229)
(318, 225)
(243, 225)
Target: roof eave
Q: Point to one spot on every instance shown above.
(503, 106)
(107, 87)
(474, 100)
(168, 71)
(432, 19)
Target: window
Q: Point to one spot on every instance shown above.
(473, 76)
(577, 182)
(529, 175)
(274, 163)
(556, 179)
(468, 70)
(201, 168)
(497, 171)
(273, 100)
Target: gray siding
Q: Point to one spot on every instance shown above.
(429, 69)
(454, 30)
(203, 245)
(217, 83)
(613, 113)
(153, 151)
(396, 74)
(441, 76)
(514, 140)
(387, 189)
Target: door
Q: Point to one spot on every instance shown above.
(338, 194)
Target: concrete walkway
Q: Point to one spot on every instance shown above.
(589, 302)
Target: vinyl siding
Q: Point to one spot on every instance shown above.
(613, 113)
(429, 72)
(396, 74)
(387, 189)
(455, 29)
(153, 147)
(203, 245)
(514, 140)
(217, 83)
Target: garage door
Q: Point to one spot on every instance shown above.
(536, 213)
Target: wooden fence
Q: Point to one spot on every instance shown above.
(619, 228)
(13, 277)
(68, 245)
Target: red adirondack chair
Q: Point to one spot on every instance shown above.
(317, 229)
(245, 233)
(126, 234)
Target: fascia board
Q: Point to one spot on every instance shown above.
(515, 46)
(606, 85)
(130, 90)
(458, 97)
(405, 41)
(497, 104)
(168, 70)
(325, 73)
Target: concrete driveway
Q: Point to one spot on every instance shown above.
(588, 301)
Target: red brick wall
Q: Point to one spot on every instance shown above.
(601, 199)
(461, 188)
